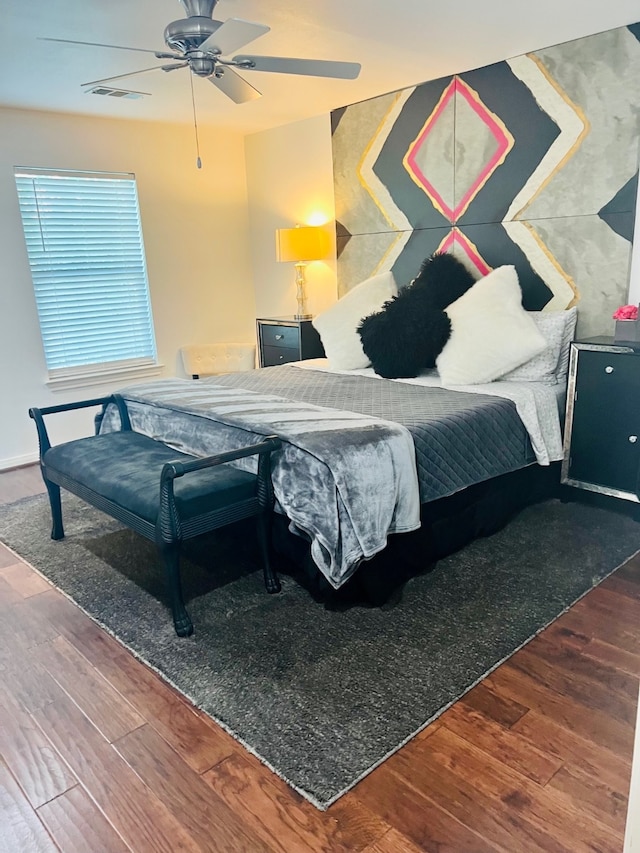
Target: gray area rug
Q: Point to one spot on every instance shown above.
(322, 696)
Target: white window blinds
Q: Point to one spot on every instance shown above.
(86, 254)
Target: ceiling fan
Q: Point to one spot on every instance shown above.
(201, 43)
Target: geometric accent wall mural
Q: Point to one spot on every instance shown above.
(532, 161)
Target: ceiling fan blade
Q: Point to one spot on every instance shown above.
(234, 86)
(234, 33)
(98, 44)
(289, 65)
(174, 66)
(128, 74)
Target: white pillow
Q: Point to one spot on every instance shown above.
(569, 334)
(543, 367)
(337, 325)
(558, 327)
(491, 333)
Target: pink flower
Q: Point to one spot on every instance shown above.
(626, 312)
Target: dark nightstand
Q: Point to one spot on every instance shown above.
(602, 428)
(283, 339)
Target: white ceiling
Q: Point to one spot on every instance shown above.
(398, 42)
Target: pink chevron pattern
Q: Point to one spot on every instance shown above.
(456, 243)
(503, 144)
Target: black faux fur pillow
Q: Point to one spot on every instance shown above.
(400, 341)
(411, 330)
(444, 279)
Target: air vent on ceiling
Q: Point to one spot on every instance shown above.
(116, 93)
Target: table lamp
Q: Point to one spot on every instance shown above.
(300, 245)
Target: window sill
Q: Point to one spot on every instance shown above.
(102, 377)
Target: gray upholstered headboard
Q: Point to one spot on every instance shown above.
(532, 161)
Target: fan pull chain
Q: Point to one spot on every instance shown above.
(195, 122)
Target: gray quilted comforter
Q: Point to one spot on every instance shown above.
(360, 454)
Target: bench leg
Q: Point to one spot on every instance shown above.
(170, 553)
(263, 522)
(57, 529)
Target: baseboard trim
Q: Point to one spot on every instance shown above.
(18, 461)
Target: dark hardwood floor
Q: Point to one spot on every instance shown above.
(98, 754)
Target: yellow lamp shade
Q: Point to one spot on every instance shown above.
(305, 243)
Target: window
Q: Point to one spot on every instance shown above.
(85, 248)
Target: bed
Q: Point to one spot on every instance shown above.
(374, 472)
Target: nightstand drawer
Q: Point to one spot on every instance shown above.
(280, 336)
(279, 355)
(283, 339)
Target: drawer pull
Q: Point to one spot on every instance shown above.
(633, 439)
(280, 357)
(279, 337)
(608, 369)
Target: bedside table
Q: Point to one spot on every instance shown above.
(602, 426)
(283, 339)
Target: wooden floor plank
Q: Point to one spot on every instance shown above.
(24, 580)
(581, 664)
(208, 819)
(619, 611)
(30, 756)
(107, 709)
(623, 585)
(78, 826)
(621, 659)
(9, 597)
(606, 598)
(21, 831)
(503, 711)
(448, 822)
(140, 818)
(19, 483)
(460, 797)
(27, 628)
(561, 633)
(7, 557)
(538, 808)
(630, 570)
(395, 842)
(594, 624)
(588, 692)
(512, 749)
(289, 822)
(591, 724)
(201, 743)
(606, 804)
(613, 769)
(21, 673)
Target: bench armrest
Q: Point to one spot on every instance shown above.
(263, 449)
(170, 521)
(38, 415)
(178, 469)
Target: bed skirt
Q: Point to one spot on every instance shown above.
(448, 524)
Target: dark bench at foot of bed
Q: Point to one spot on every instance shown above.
(163, 494)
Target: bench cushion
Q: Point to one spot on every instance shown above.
(125, 467)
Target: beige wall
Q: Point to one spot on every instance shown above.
(290, 181)
(195, 227)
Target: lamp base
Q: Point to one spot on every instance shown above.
(302, 316)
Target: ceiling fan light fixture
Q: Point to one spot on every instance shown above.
(202, 66)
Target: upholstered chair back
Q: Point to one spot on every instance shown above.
(208, 359)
